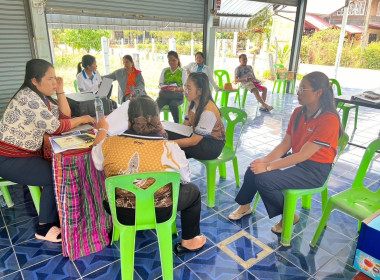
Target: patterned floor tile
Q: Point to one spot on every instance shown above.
(222, 200)
(88, 264)
(215, 264)
(191, 255)
(8, 262)
(22, 231)
(148, 263)
(20, 194)
(109, 272)
(302, 255)
(35, 251)
(347, 254)
(206, 211)
(14, 276)
(261, 231)
(343, 223)
(336, 269)
(217, 228)
(2, 224)
(56, 268)
(19, 213)
(183, 273)
(246, 276)
(276, 267)
(4, 238)
(330, 240)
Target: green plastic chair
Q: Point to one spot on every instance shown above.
(228, 153)
(358, 201)
(291, 197)
(345, 107)
(282, 83)
(76, 86)
(34, 191)
(145, 218)
(181, 111)
(237, 97)
(224, 77)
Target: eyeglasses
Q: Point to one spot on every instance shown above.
(301, 90)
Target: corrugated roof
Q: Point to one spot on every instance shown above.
(317, 22)
(241, 7)
(56, 21)
(352, 29)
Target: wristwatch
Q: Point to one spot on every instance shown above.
(269, 168)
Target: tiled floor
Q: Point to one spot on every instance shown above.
(261, 255)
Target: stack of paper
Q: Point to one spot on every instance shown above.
(181, 129)
(71, 142)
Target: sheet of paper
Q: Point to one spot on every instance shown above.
(178, 128)
(105, 87)
(57, 149)
(118, 120)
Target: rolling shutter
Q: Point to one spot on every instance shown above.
(15, 48)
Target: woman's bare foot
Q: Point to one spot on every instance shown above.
(194, 243)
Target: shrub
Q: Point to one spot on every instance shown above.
(371, 56)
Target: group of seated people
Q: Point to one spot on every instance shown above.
(312, 136)
(171, 81)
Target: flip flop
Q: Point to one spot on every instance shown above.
(179, 250)
(53, 235)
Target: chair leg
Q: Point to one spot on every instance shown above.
(322, 224)
(35, 192)
(7, 196)
(180, 114)
(244, 97)
(254, 206)
(216, 97)
(115, 234)
(222, 170)
(166, 116)
(127, 253)
(274, 86)
(325, 198)
(288, 218)
(356, 116)
(211, 174)
(236, 171)
(284, 83)
(359, 225)
(345, 118)
(174, 229)
(306, 202)
(166, 250)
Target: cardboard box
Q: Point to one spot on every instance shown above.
(282, 73)
(367, 257)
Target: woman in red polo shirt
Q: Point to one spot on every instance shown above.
(312, 134)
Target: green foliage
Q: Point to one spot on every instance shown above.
(283, 54)
(260, 26)
(371, 56)
(184, 48)
(85, 39)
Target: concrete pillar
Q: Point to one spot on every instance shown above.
(136, 60)
(40, 30)
(105, 52)
(210, 42)
(52, 46)
(234, 46)
(172, 44)
(192, 47)
(247, 47)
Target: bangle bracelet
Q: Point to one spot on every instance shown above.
(103, 129)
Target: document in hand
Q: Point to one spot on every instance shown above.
(118, 120)
(105, 87)
(181, 129)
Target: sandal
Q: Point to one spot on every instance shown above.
(277, 228)
(53, 235)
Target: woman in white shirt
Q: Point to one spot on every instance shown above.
(199, 66)
(88, 78)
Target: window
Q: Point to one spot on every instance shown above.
(378, 9)
(355, 8)
(372, 38)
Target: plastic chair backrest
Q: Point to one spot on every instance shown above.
(335, 83)
(233, 116)
(364, 164)
(221, 75)
(145, 216)
(278, 66)
(76, 86)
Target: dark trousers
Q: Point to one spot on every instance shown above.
(305, 175)
(33, 171)
(206, 149)
(189, 203)
(171, 98)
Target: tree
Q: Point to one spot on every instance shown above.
(260, 27)
(83, 38)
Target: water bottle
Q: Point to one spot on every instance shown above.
(99, 109)
(2, 200)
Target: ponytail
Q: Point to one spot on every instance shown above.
(79, 67)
